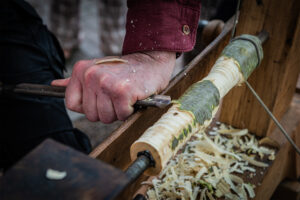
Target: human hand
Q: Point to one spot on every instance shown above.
(107, 91)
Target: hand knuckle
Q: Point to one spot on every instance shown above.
(105, 77)
(91, 118)
(70, 105)
(88, 76)
(123, 116)
(107, 120)
(79, 65)
(122, 88)
(105, 80)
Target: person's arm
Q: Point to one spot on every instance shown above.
(161, 25)
(107, 91)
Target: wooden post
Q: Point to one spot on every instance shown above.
(275, 79)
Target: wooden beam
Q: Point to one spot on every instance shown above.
(275, 80)
(297, 157)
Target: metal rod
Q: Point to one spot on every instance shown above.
(159, 101)
(37, 89)
(263, 36)
(137, 167)
(143, 161)
(236, 19)
(273, 118)
(41, 93)
(139, 197)
(34, 89)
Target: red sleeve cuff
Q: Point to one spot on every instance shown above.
(161, 25)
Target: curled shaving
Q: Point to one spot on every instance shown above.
(53, 174)
(110, 60)
(206, 171)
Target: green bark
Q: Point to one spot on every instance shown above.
(245, 53)
(184, 133)
(174, 143)
(201, 99)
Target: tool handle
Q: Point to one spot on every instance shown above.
(159, 101)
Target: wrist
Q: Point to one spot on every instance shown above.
(161, 56)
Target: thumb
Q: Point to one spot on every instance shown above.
(61, 82)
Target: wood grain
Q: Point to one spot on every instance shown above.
(275, 79)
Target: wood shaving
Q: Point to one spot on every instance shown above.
(110, 60)
(269, 142)
(207, 167)
(53, 174)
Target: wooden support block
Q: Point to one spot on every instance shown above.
(85, 178)
(276, 77)
(276, 173)
(284, 165)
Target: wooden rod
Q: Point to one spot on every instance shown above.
(194, 110)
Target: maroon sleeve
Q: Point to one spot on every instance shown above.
(161, 25)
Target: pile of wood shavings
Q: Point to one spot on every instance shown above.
(208, 166)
